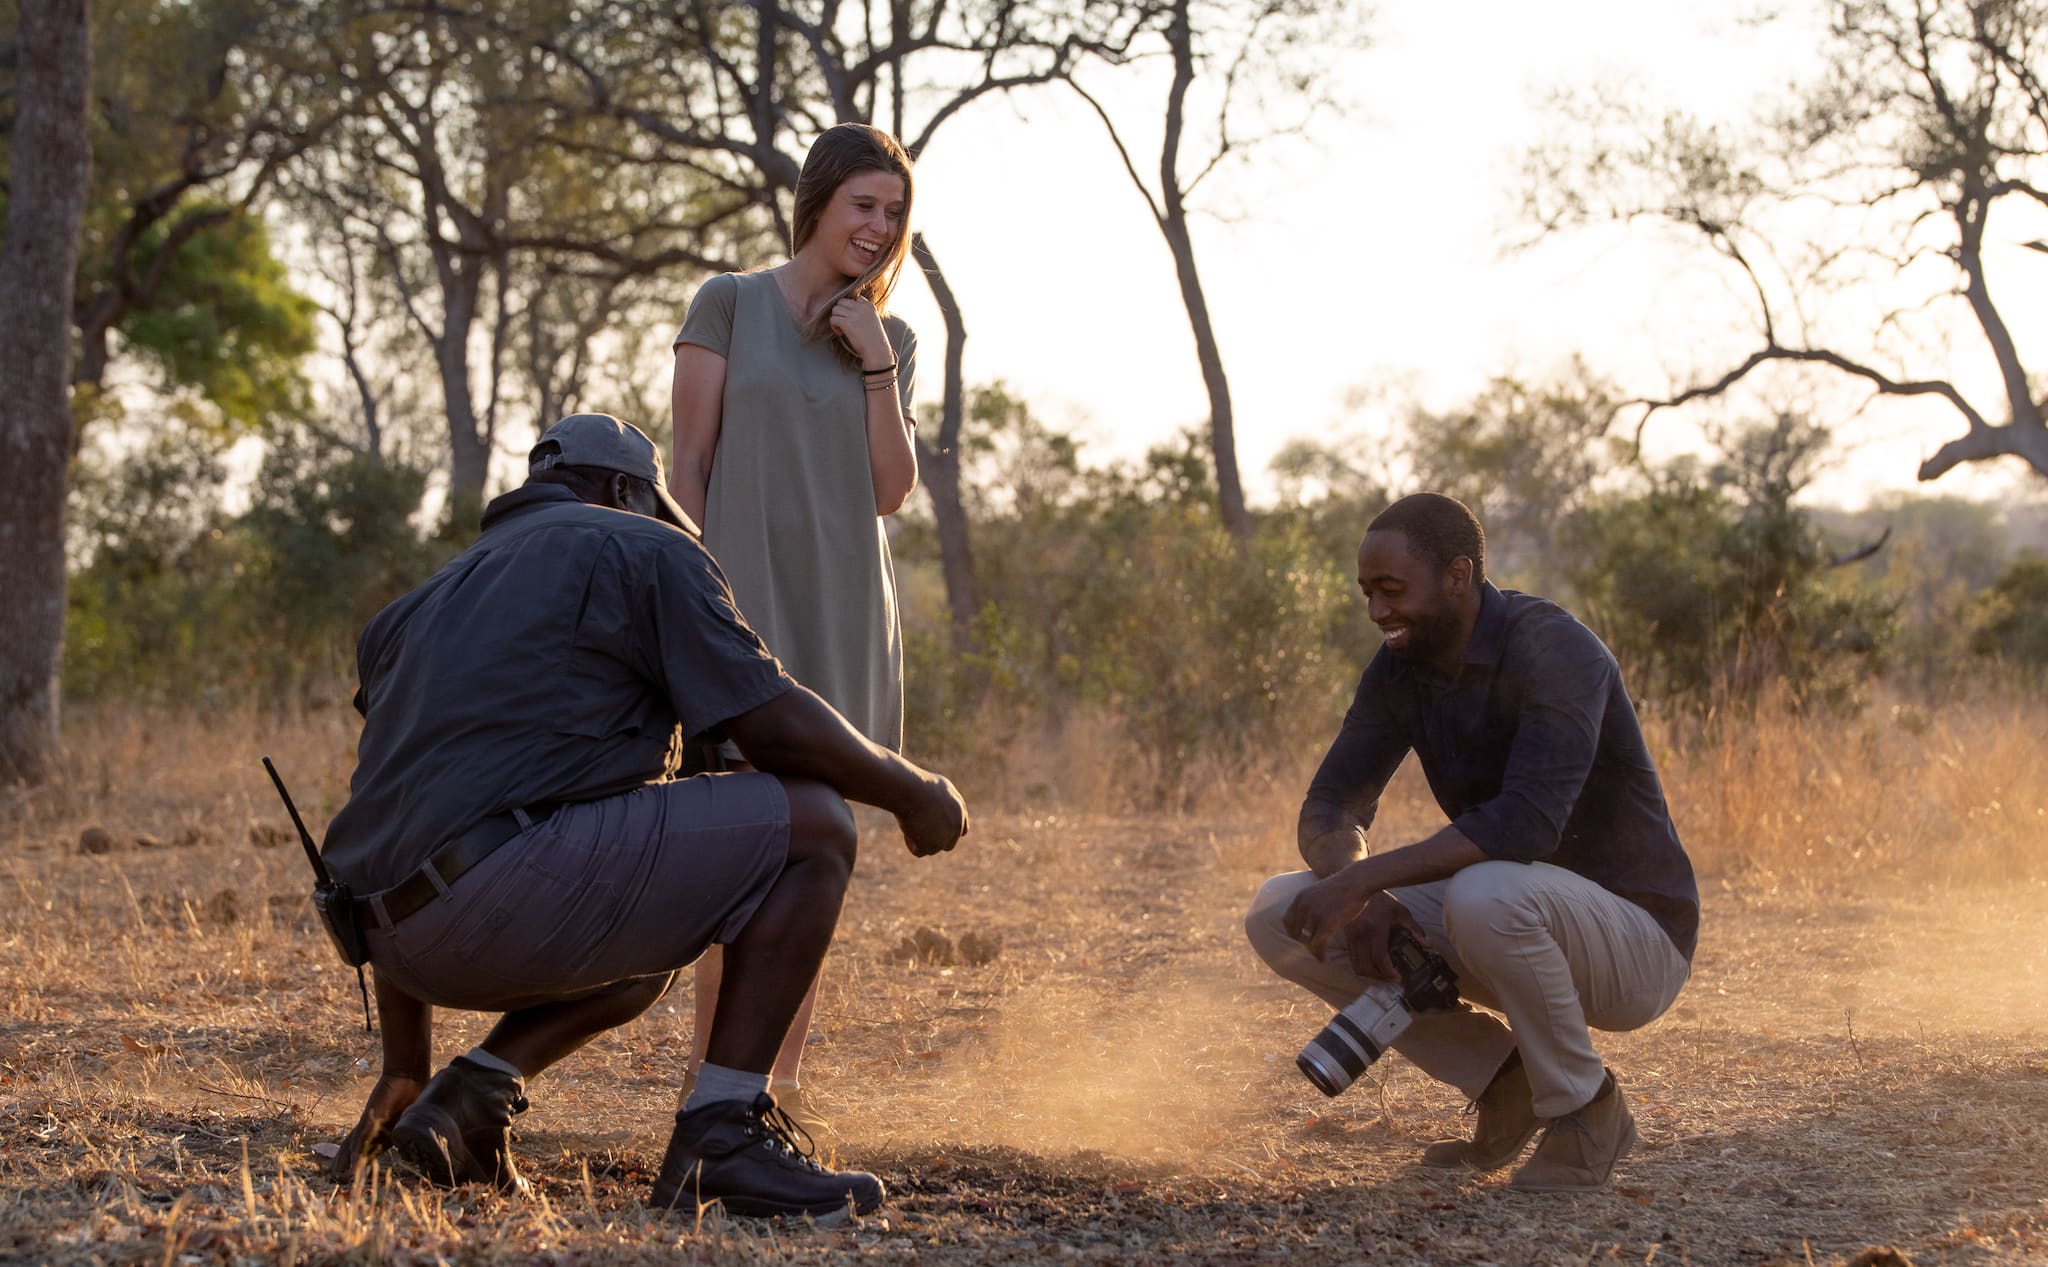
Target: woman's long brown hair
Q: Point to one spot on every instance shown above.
(840, 153)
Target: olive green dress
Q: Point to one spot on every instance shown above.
(790, 511)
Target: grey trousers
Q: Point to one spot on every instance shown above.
(1550, 950)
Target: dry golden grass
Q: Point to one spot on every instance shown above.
(1954, 795)
(1861, 1059)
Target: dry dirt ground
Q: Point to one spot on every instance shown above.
(1115, 1084)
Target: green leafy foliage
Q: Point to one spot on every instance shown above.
(153, 596)
(1707, 601)
(1115, 592)
(1113, 596)
(175, 596)
(1118, 591)
(225, 321)
(340, 538)
(1713, 585)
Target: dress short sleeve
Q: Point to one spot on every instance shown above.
(903, 340)
(708, 323)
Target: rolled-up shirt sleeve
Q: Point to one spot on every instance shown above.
(1345, 791)
(1566, 684)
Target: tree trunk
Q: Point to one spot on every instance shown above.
(51, 168)
(939, 463)
(1222, 427)
(469, 447)
(1173, 222)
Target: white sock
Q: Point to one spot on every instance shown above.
(716, 1082)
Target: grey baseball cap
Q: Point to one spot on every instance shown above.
(610, 444)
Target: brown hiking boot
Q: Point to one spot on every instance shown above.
(1504, 1122)
(749, 1158)
(1578, 1151)
(460, 1129)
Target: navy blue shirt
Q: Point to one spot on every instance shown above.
(1533, 752)
(560, 658)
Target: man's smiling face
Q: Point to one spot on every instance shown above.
(1414, 602)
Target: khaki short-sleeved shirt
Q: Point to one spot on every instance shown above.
(790, 509)
(562, 657)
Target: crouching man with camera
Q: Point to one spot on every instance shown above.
(1558, 895)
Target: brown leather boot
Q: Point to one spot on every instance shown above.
(460, 1129)
(1504, 1121)
(1578, 1150)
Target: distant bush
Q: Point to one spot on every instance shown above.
(1711, 585)
(1131, 602)
(1126, 647)
(174, 597)
(1706, 601)
(1113, 598)
(335, 536)
(2010, 620)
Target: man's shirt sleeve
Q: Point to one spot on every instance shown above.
(1564, 678)
(691, 639)
(1368, 749)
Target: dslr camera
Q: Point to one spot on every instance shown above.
(1356, 1036)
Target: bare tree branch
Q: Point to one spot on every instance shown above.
(1918, 122)
(1122, 152)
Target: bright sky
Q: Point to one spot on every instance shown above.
(1372, 263)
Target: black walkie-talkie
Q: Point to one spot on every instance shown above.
(331, 899)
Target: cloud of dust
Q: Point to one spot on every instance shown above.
(1913, 961)
(1172, 1073)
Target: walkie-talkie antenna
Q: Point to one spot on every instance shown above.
(305, 837)
(322, 880)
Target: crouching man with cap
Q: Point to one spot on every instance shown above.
(522, 847)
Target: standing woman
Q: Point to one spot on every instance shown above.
(791, 406)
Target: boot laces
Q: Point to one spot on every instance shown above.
(785, 1133)
(1569, 1122)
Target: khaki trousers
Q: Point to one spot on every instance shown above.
(1550, 950)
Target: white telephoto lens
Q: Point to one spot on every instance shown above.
(1354, 1038)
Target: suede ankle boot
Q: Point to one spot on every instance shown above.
(1578, 1151)
(1504, 1120)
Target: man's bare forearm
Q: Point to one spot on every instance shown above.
(798, 734)
(1438, 857)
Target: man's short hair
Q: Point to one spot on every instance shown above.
(1438, 528)
(589, 483)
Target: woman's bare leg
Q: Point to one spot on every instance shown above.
(710, 971)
